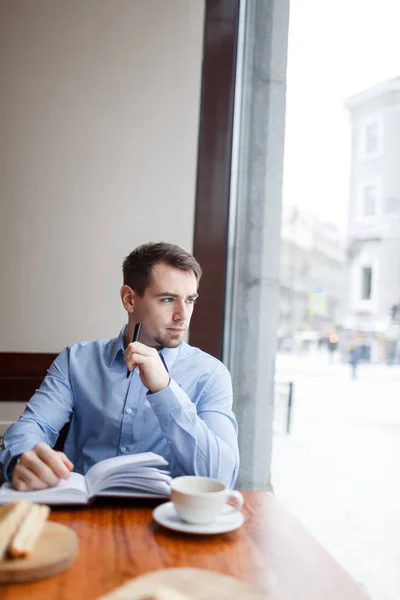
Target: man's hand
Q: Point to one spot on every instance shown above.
(151, 368)
(40, 468)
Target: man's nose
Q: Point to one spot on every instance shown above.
(180, 312)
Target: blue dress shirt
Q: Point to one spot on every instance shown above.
(190, 422)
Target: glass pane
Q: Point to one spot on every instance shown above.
(366, 283)
(337, 412)
(371, 138)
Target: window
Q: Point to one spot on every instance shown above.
(366, 283)
(370, 143)
(369, 201)
(371, 139)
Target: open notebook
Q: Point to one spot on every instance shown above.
(137, 476)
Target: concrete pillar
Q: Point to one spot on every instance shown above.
(254, 242)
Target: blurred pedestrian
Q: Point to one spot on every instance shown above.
(333, 342)
(354, 359)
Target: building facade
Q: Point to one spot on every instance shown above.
(373, 239)
(312, 279)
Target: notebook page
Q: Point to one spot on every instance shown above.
(69, 491)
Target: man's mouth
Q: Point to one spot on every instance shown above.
(176, 329)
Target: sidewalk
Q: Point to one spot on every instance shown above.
(321, 365)
(338, 471)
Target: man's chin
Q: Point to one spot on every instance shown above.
(171, 341)
(172, 344)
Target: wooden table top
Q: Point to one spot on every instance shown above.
(119, 541)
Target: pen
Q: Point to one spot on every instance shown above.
(136, 334)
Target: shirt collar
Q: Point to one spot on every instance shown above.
(169, 355)
(117, 345)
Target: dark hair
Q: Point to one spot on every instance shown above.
(138, 265)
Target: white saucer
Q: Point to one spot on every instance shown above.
(166, 516)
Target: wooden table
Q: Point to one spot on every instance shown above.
(119, 541)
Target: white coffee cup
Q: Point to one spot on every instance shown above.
(201, 500)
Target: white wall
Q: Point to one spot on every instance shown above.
(99, 105)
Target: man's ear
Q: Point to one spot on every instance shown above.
(128, 298)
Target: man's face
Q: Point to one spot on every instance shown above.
(166, 307)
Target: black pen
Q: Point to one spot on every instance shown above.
(136, 334)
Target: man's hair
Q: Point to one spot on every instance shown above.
(138, 265)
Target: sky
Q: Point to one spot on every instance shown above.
(336, 49)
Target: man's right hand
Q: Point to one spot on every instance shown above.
(40, 468)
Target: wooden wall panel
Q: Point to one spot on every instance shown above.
(21, 373)
(213, 171)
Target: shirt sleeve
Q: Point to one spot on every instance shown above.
(45, 414)
(203, 436)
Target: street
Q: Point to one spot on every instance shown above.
(338, 471)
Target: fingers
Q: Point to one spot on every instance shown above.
(139, 359)
(40, 468)
(52, 459)
(130, 363)
(19, 484)
(141, 348)
(153, 374)
(24, 479)
(66, 461)
(136, 353)
(40, 471)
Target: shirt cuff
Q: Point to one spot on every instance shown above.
(165, 402)
(10, 455)
(8, 472)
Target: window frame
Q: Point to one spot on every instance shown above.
(364, 269)
(369, 183)
(373, 119)
(367, 258)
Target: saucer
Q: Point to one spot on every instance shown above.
(166, 516)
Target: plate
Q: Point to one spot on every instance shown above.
(198, 584)
(55, 551)
(166, 516)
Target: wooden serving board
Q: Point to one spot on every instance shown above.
(196, 584)
(53, 553)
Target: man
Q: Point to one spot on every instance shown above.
(176, 400)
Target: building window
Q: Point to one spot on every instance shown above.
(366, 283)
(369, 201)
(371, 138)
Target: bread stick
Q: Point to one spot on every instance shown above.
(11, 519)
(28, 533)
(4, 510)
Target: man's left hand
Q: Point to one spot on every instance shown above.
(151, 368)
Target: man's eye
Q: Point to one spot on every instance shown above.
(166, 300)
(191, 300)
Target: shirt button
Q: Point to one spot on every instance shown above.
(123, 449)
(128, 410)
